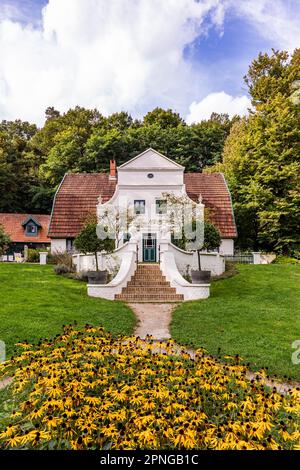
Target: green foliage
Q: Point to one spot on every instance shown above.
(88, 242)
(34, 293)
(253, 314)
(4, 240)
(33, 161)
(261, 158)
(212, 237)
(286, 260)
(64, 258)
(33, 255)
(61, 269)
(163, 118)
(17, 172)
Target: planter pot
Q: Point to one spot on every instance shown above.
(200, 277)
(97, 277)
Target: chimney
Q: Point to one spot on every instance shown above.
(112, 170)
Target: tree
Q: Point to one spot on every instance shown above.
(212, 240)
(88, 242)
(261, 157)
(16, 171)
(119, 121)
(5, 240)
(163, 118)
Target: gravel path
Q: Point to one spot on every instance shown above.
(153, 319)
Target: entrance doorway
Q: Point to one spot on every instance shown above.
(149, 247)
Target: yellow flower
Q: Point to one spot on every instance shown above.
(9, 431)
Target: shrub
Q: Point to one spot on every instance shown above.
(286, 260)
(82, 276)
(62, 258)
(61, 269)
(88, 390)
(33, 255)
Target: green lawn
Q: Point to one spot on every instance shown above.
(35, 303)
(255, 314)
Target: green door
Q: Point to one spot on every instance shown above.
(149, 247)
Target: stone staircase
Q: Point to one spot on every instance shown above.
(149, 285)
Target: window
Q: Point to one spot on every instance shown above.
(139, 206)
(161, 206)
(150, 175)
(31, 230)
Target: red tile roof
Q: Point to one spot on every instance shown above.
(12, 224)
(216, 197)
(78, 196)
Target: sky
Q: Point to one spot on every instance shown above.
(134, 55)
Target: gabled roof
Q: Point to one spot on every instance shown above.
(14, 226)
(31, 218)
(216, 197)
(152, 157)
(78, 196)
(75, 199)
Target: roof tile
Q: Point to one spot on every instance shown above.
(12, 224)
(79, 192)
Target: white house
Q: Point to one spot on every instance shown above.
(142, 186)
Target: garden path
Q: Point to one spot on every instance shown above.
(153, 319)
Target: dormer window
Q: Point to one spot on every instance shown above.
(31, 227)
(31, 230)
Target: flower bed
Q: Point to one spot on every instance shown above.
(88, 390)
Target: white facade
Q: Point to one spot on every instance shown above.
(58, 245)
(227, 246)
(142, 182)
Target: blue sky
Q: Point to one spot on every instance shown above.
(190, 55)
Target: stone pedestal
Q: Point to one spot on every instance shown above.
(43, 257)
(256, 257)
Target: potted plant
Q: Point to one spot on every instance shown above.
(88, 242)
(212, 241)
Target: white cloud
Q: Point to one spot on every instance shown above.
(120, 54)
(276, 20)
(113, 55)
(219, 102)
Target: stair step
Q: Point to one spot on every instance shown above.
(150, 290)
(137, 283)
(149, 285)
(150, 298)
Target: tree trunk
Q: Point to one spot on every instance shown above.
(199, 260)
(96, 258)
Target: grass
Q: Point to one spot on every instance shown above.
(255, 314)
(35, 303)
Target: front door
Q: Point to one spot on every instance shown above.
(149, 247)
